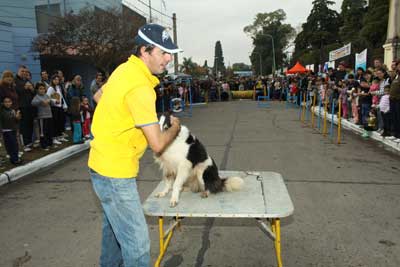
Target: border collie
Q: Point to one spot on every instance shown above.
(187, 166)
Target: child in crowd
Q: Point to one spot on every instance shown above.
(353, 95)
(45, 118)
(9, 119)
(75, 114)
(87, 114)
(293, 90)
(373, 90)
(384, 107)
(343, 99)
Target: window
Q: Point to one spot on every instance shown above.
(45, 16)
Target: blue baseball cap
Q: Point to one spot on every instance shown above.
(156, 35)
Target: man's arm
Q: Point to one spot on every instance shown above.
(159, 141)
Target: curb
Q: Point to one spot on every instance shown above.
(358, 130)
(42, 163)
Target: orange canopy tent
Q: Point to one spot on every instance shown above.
(297, 68)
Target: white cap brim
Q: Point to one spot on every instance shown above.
(145, 38)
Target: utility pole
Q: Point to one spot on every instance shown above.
(176, 42)
(150, 18)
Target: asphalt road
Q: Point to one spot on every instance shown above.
(346, 200)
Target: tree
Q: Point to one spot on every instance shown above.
(266, 24)
(219, 65)
(320, 31)
(187, 66)
(102, 38)
(352, 14)
(240, 67)
(374, 28)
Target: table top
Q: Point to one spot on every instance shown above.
(264, 195)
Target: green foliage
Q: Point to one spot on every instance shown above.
(219, 65)
(266, 24)
(352, 14)
(321, 29)
(240, 67)
(192, 68)
(102, 38)
(375, 24)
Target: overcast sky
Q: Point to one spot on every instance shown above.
(201, 23)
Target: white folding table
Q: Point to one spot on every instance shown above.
(263, 197)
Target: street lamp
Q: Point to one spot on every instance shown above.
(260, 62)
(273, 52)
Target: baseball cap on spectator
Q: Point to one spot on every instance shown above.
(158, 36)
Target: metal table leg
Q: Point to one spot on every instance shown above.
(165, 238)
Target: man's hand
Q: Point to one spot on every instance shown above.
(159, 141)
(175, 122)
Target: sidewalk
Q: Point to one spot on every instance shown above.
(37, 160)
(358, 130)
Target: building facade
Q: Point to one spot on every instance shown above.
(21, 21)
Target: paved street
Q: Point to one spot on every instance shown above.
(346, 200)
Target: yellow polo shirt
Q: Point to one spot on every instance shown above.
(127, 103)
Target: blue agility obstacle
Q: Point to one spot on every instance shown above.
(178, 105)
(263, 100)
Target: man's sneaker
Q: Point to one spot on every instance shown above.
(20, 153)
(55, 141)
(27, 149)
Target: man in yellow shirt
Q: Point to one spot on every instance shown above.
(125, 121)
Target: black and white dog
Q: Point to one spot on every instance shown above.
(186, 165)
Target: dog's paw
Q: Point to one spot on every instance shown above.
(160, 194)
(204, 194)
(173, 202)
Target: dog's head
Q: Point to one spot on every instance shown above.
(165, 121)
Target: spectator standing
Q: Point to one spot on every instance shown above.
(57, 109)
(76, 89)
(384, 107)
(96, 84)
(7, 89)
(395, 102)
(365, 101)
(384, 80)
(75, 114)
(28, 113)
(87, 114)
(21, 78)
(42, 102)
(359, 74)
(44, 78)
(9, 125)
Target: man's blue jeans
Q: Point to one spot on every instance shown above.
(125, 240)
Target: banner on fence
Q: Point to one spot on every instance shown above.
(340, 52)
(361, 60)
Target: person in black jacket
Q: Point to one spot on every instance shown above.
(9, 124)
(28, 113)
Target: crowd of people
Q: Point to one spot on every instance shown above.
(369, 98)
(34, 115)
